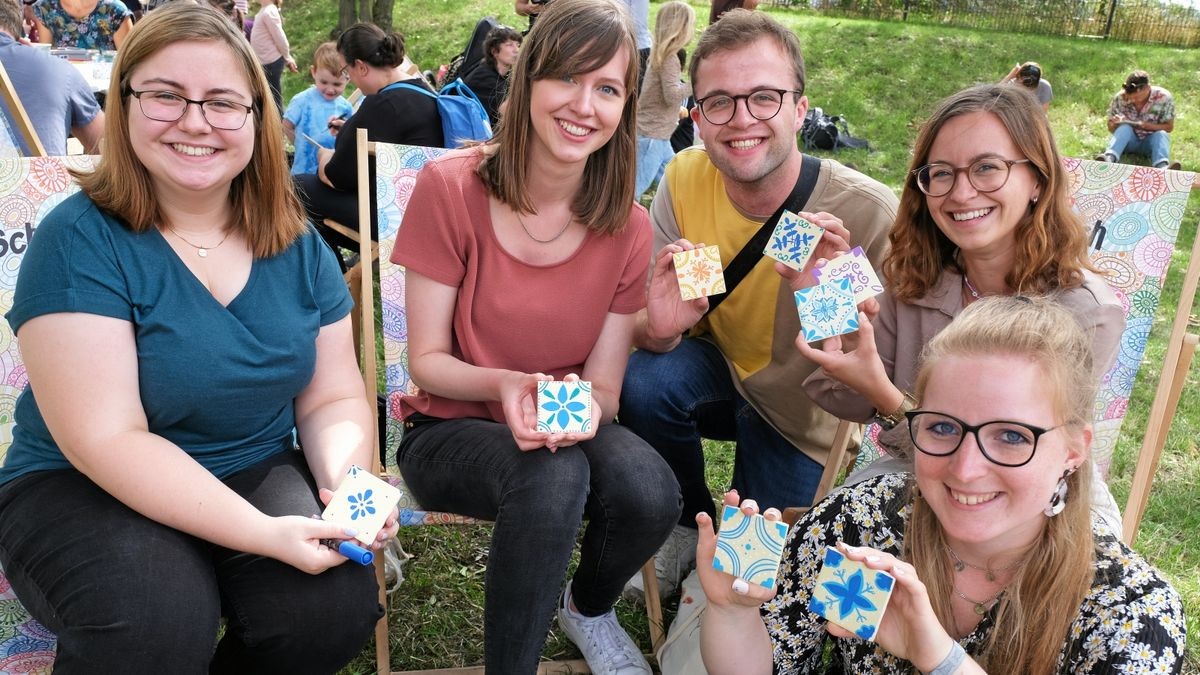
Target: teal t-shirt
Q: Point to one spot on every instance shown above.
(218, 381)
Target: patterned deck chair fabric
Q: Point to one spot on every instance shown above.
(29, 189)
(1132, 214)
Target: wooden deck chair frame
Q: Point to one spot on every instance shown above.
(20, 119)
(367, 337)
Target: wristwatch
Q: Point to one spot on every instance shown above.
(889, 420)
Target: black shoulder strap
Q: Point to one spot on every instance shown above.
(752, 252)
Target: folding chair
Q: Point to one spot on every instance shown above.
(396, 167)
(1132, 214)
(32, 187)
(18, 138)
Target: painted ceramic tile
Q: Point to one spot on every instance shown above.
(793, 241)
(699, 272)
(749, 547)
(857, 268)
(564, 407)
(851, 594)
(363, 502)
(826, 310)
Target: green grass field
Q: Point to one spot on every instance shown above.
(884, 78)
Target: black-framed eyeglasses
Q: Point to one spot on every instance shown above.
(1002, 442)
(762, 105)
(166, 106)
(985, 175)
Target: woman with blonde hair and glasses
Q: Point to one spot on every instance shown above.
(985, 211)
(181, 326)
(998, 563)
(526, 261)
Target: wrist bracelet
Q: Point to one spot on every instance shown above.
(952, 662)
(907, 403)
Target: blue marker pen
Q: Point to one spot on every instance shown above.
(351, 550)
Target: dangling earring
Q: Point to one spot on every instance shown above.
(1034, 200)
(1058, 500)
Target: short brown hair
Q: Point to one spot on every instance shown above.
(1051, 245)
(10, 19)
(326, 57)
(740, 27)
(569, 38)
(265, 207)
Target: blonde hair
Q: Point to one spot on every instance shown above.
(263, 203)
(326, 57)
(569, 38)
(1036, 611)
(1051, 244)
(673, 30)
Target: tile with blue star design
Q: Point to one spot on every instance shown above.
(793, 241)
(564, 407)
(362, 502)
(851, 594)
(749, 547)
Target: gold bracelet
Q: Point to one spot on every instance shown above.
(907, 403)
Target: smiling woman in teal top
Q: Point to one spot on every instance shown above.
(181, 325)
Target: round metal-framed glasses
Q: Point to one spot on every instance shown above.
(985, 175)
(167, 106)
(1002, 442)
(762, 105)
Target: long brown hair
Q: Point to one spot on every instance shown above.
(569, 38)
(1036, 612)
(263, 202)
(1051, 245)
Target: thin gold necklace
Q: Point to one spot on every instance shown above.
(570, 217)
(201, 251)
(960, 565)
(980, 606)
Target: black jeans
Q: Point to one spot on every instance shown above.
(537, 500)
(274, 73)
(128, 595)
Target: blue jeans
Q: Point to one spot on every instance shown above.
(537, 500)
(652, 158)
(673, 400)
(1157, 145)
(126, 594)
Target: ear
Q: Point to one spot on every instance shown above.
(695, 113)
(1079, 449)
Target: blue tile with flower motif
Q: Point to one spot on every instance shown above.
(564, 407)
(851, 594)
(793, 241)
(749, 547)
(362, 502)
(826, 310)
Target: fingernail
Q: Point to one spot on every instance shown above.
(740, 586)
(350, 532)
(872, 558)
(897, 572)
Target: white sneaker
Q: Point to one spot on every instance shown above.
(674, 559)
(606, 646)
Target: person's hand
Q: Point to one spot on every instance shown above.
(518, 398)
(854, 363)
(291, 64)
(390, 527)
(335, 124)
(554, 441)
(296, 540)
(668, 315)
(718, 586)
(909, 629)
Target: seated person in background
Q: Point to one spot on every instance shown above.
(181, 324)
(985, 211)
(86, 24)
(489, 79)
(389, 112)
(1140, 117)
(312, 111)
(998, 564)
(59, 101)
(1029, 75)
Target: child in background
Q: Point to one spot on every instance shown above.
(662, 93)
(310, 111)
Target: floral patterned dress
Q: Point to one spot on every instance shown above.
(95, 31)
(1130, 622)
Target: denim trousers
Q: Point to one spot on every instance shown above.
(538, 500)
(126, 594)
(652, 158)
(274, 73)
(674, 399)
(1157, 145)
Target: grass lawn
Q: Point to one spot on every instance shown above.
(884, 78)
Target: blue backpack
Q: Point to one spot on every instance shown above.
(463, 116)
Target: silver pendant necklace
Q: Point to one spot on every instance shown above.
(201, 251)
(960, 564)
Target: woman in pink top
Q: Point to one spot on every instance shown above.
(527, 262)
(271, 46)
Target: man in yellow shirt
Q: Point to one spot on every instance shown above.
(734, 374)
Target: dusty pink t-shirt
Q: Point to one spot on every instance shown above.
(510, 314)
